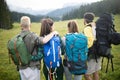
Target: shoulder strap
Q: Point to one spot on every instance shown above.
(62, 46)
(86, 27)
(89, 25)
(24, 35)
(35, 46)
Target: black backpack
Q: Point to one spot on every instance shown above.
(105, 32)
(104, 28)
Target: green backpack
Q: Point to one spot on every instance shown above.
(18, 51)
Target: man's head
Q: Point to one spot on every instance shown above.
(25, 22)
(89, 17)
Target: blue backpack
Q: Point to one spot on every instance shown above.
(52, 52)
(76, 51)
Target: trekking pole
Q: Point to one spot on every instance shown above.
(102, 63)
(112, 64)
(107, 65)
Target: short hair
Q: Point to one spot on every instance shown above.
(46, 26)
(89, 17)
(25, 21)
(72, 26)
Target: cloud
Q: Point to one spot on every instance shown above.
(44, 4)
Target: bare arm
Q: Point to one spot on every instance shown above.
(48, 37)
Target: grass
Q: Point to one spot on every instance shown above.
(8, 71)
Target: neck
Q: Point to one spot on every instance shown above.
(25, 28)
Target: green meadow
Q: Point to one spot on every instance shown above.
(8, 69)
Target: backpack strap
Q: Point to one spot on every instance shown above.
(39, 55)
(24, 35)
(72, 45)
(50, 73)
(94, 43)
(17, 54)
(62, 46)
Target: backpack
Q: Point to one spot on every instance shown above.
(76, 52)
(52, 52)
(106, 34)
(115, 38)
(18, 51)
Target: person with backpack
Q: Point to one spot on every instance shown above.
(75, 58)
(24, 51)
(94, 61)
(52, 61)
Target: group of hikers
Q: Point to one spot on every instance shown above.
(49, 35)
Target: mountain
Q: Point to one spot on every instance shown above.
(28, 10)
(54, 14)
(60, 12)
(51, 13)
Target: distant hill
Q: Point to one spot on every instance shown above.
(59, 12)
(28, 10)
(52, 13)
(37, 15)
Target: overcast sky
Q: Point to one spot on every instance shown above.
(44, 4)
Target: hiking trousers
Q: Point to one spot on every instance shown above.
(68, 75)
(30, 73)
(57, 76)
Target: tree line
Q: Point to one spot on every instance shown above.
(16, 17)
(112, 6)
(7, 17)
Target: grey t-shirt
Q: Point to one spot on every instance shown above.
(32, 39)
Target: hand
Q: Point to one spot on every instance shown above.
(93, 24)
(55, 33)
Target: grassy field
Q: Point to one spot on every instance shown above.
(8, 71)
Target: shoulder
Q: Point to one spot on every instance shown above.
(33, 35)
(88, 27)
(63, 38)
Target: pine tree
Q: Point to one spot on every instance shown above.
(5, 19)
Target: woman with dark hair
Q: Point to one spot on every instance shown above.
(72, 29)
(47, 28)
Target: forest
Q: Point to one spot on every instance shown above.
(111, 6)
(7, 17)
